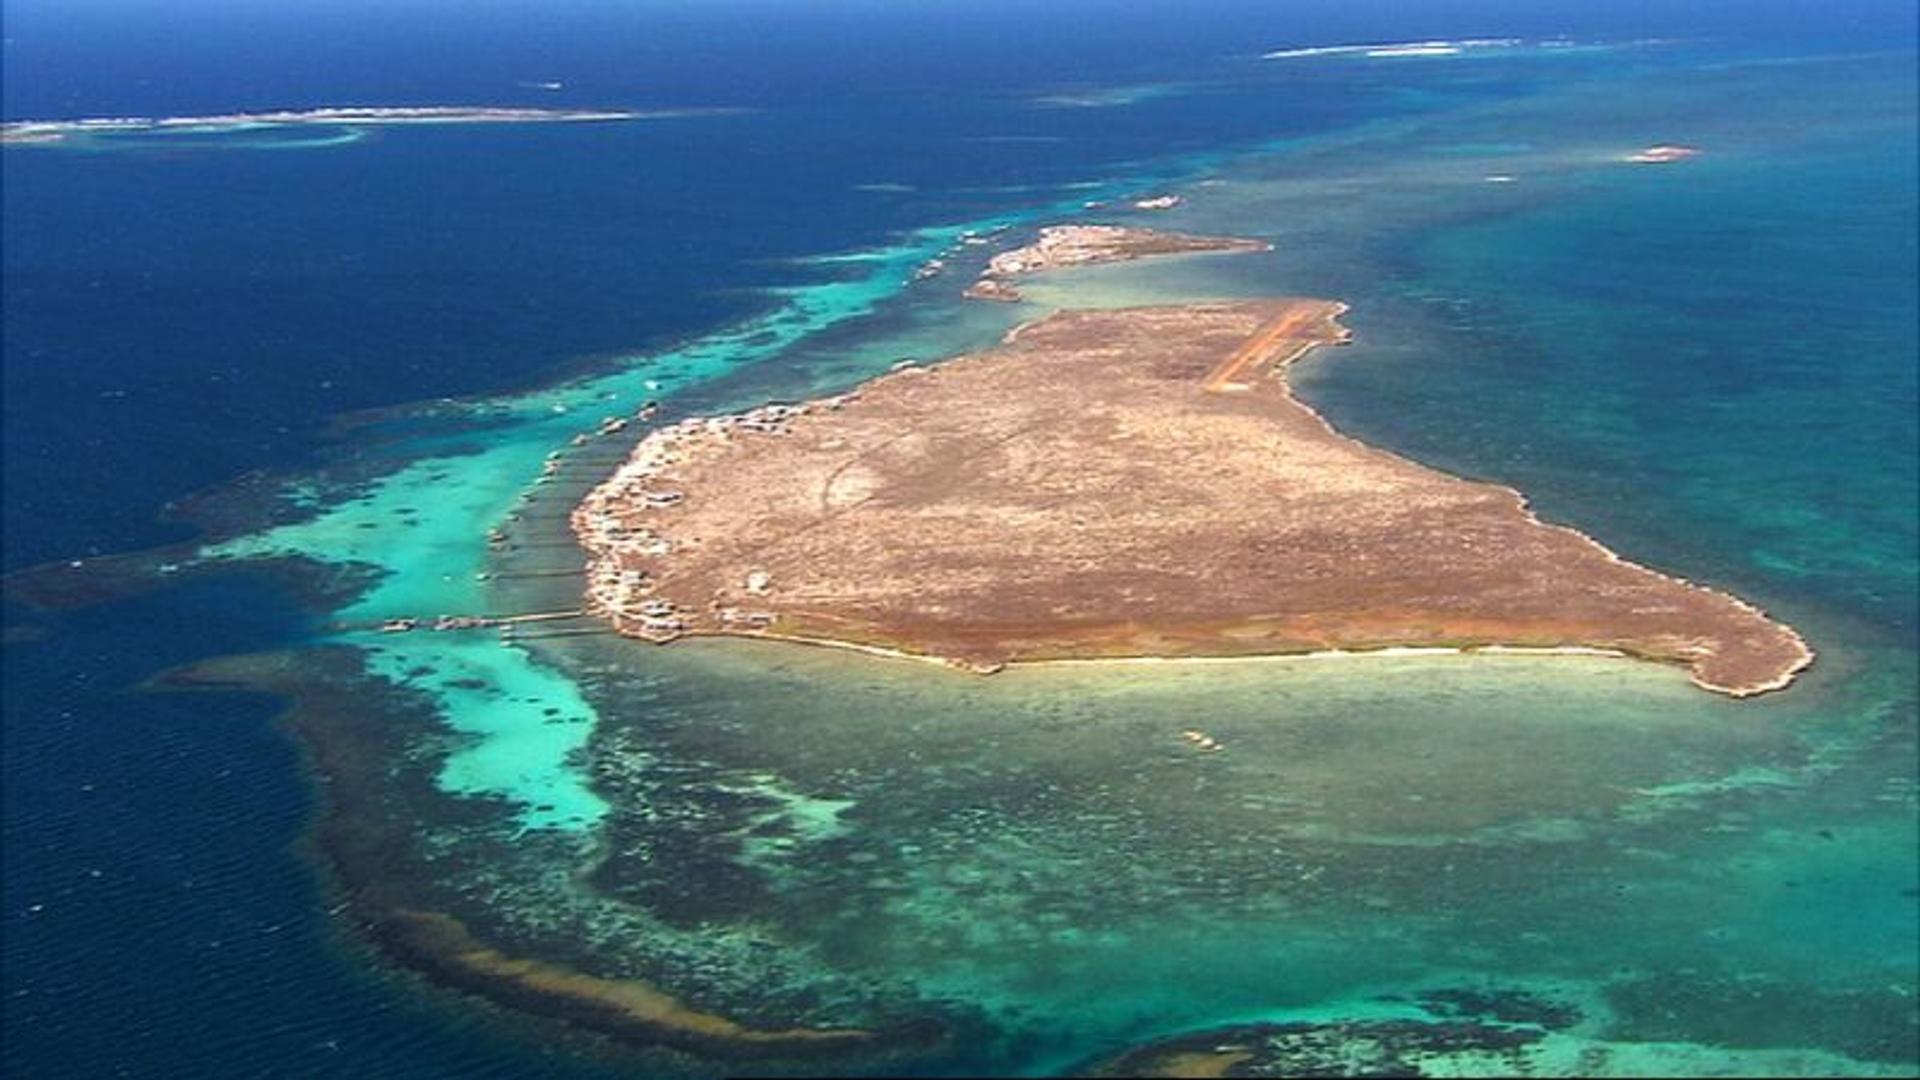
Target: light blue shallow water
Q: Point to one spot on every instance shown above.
(1709, 365)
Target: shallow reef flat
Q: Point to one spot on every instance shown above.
(1120, 483)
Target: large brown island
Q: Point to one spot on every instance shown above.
(1121, 483)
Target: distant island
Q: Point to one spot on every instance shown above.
(1060, 246)
(49, 131)
(1129, 483)
(1663, 154)
(1398, 48)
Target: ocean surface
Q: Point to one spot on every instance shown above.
(308, 370)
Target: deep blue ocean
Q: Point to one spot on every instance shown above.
(177, 316)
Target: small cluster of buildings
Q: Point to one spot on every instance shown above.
(612, 523)
(1059, 245)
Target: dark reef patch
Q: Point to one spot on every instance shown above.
(1504, 1005)
(1483, 1021)
(1352, 1048)
(429, 906)
(1866, 1022)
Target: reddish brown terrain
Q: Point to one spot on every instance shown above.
(1130, 483)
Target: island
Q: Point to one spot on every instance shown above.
(1131, 483)
(1060, 246)
(1663, 154)
(1381, 50)
(30, 132)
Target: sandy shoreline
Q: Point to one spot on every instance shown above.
(1383, 652)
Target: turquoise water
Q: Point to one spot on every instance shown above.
(1709, 366)
(423, 527)
(1671, 358)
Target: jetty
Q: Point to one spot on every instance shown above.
(442, 623)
